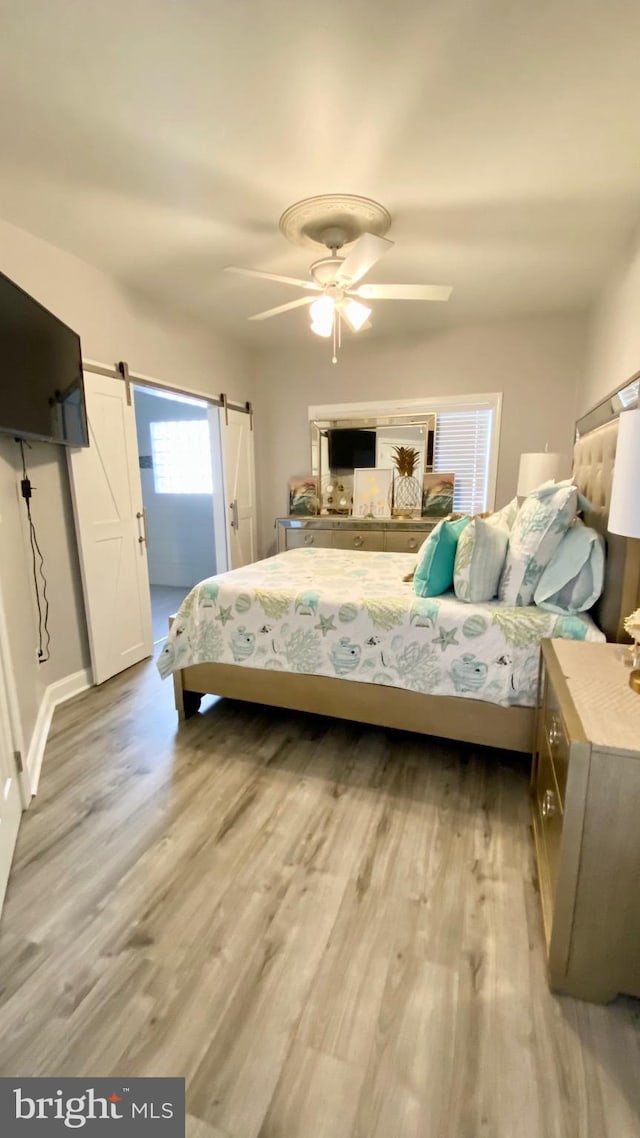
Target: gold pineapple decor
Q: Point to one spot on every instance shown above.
(405, 459)
(407, 491)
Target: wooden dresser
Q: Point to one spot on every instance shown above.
(586, 819)
(331, 532)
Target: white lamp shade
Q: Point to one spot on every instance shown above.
(322, 312)
(538, 468)
(624, 511)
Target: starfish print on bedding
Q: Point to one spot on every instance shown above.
(224, 615)
(445, 638)
(326, 624)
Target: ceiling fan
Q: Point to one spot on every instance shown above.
(335, 220)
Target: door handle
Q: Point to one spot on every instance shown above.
(144, 537)
(233, 506)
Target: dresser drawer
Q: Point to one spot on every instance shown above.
(299, 538)
(358, 539)
(405, 541)
(555, 742)
(549, 819)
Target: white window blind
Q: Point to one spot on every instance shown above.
(181, 456)
(463, 447)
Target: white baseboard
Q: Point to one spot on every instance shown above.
(54, 694)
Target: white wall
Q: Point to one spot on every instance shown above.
(614, 335)
(112, 326)
(537, 362)
(179, 526)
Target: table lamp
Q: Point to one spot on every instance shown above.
(624, 511)
(543, 466)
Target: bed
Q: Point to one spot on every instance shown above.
(341, 634)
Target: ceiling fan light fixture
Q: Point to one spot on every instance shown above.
(356, 314)
(339, 222)
(322, 316)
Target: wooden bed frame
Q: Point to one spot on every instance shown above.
(451, 717)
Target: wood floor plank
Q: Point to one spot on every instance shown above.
(343, 1004)
(196, 1128)
(316, 1094)
(236, 1078)
(324, 928)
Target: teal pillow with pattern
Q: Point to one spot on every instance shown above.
(540, 525)
(436, 559)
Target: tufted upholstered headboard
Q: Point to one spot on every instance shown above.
(593, 460)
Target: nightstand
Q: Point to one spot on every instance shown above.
(585, 787)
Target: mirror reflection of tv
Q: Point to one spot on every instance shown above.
(349, 449)
(41, 385)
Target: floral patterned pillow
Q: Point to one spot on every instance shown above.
(540, 525)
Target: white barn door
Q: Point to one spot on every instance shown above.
(107, 499)
(240, 487)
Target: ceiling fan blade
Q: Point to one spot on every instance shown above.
(402, 292)
(273, 277)
(283, 308)
(367, 250)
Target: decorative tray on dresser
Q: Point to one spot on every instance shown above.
(333, 532)
(586, 819)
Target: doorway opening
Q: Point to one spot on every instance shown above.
(177, 479)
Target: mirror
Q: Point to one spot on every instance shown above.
(621, 400)
(340, 446)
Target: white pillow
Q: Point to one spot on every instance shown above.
(506, 516)
(480, 555)
(542, 521)
(574, 578)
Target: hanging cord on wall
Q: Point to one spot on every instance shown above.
(42, 603)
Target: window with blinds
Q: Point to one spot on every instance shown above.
(181, 456)
(463, 447)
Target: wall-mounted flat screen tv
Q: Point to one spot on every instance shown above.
(41, 386)
(349, 448)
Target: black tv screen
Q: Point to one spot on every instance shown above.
(41, 386)
(349, 449)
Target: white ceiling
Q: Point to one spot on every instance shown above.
(161, 140)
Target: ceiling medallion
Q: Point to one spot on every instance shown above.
(309, 222)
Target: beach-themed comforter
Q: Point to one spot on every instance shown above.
(349, 615)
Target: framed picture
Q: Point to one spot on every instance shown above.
(304, 496)
(372, 492)
(437, 494)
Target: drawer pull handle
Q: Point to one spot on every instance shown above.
(412, 542)
(549, 805)
(554, 734)
(308, 539)
(357, 541)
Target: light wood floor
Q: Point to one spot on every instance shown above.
(331, 931)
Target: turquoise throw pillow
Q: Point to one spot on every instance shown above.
(434, 571)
